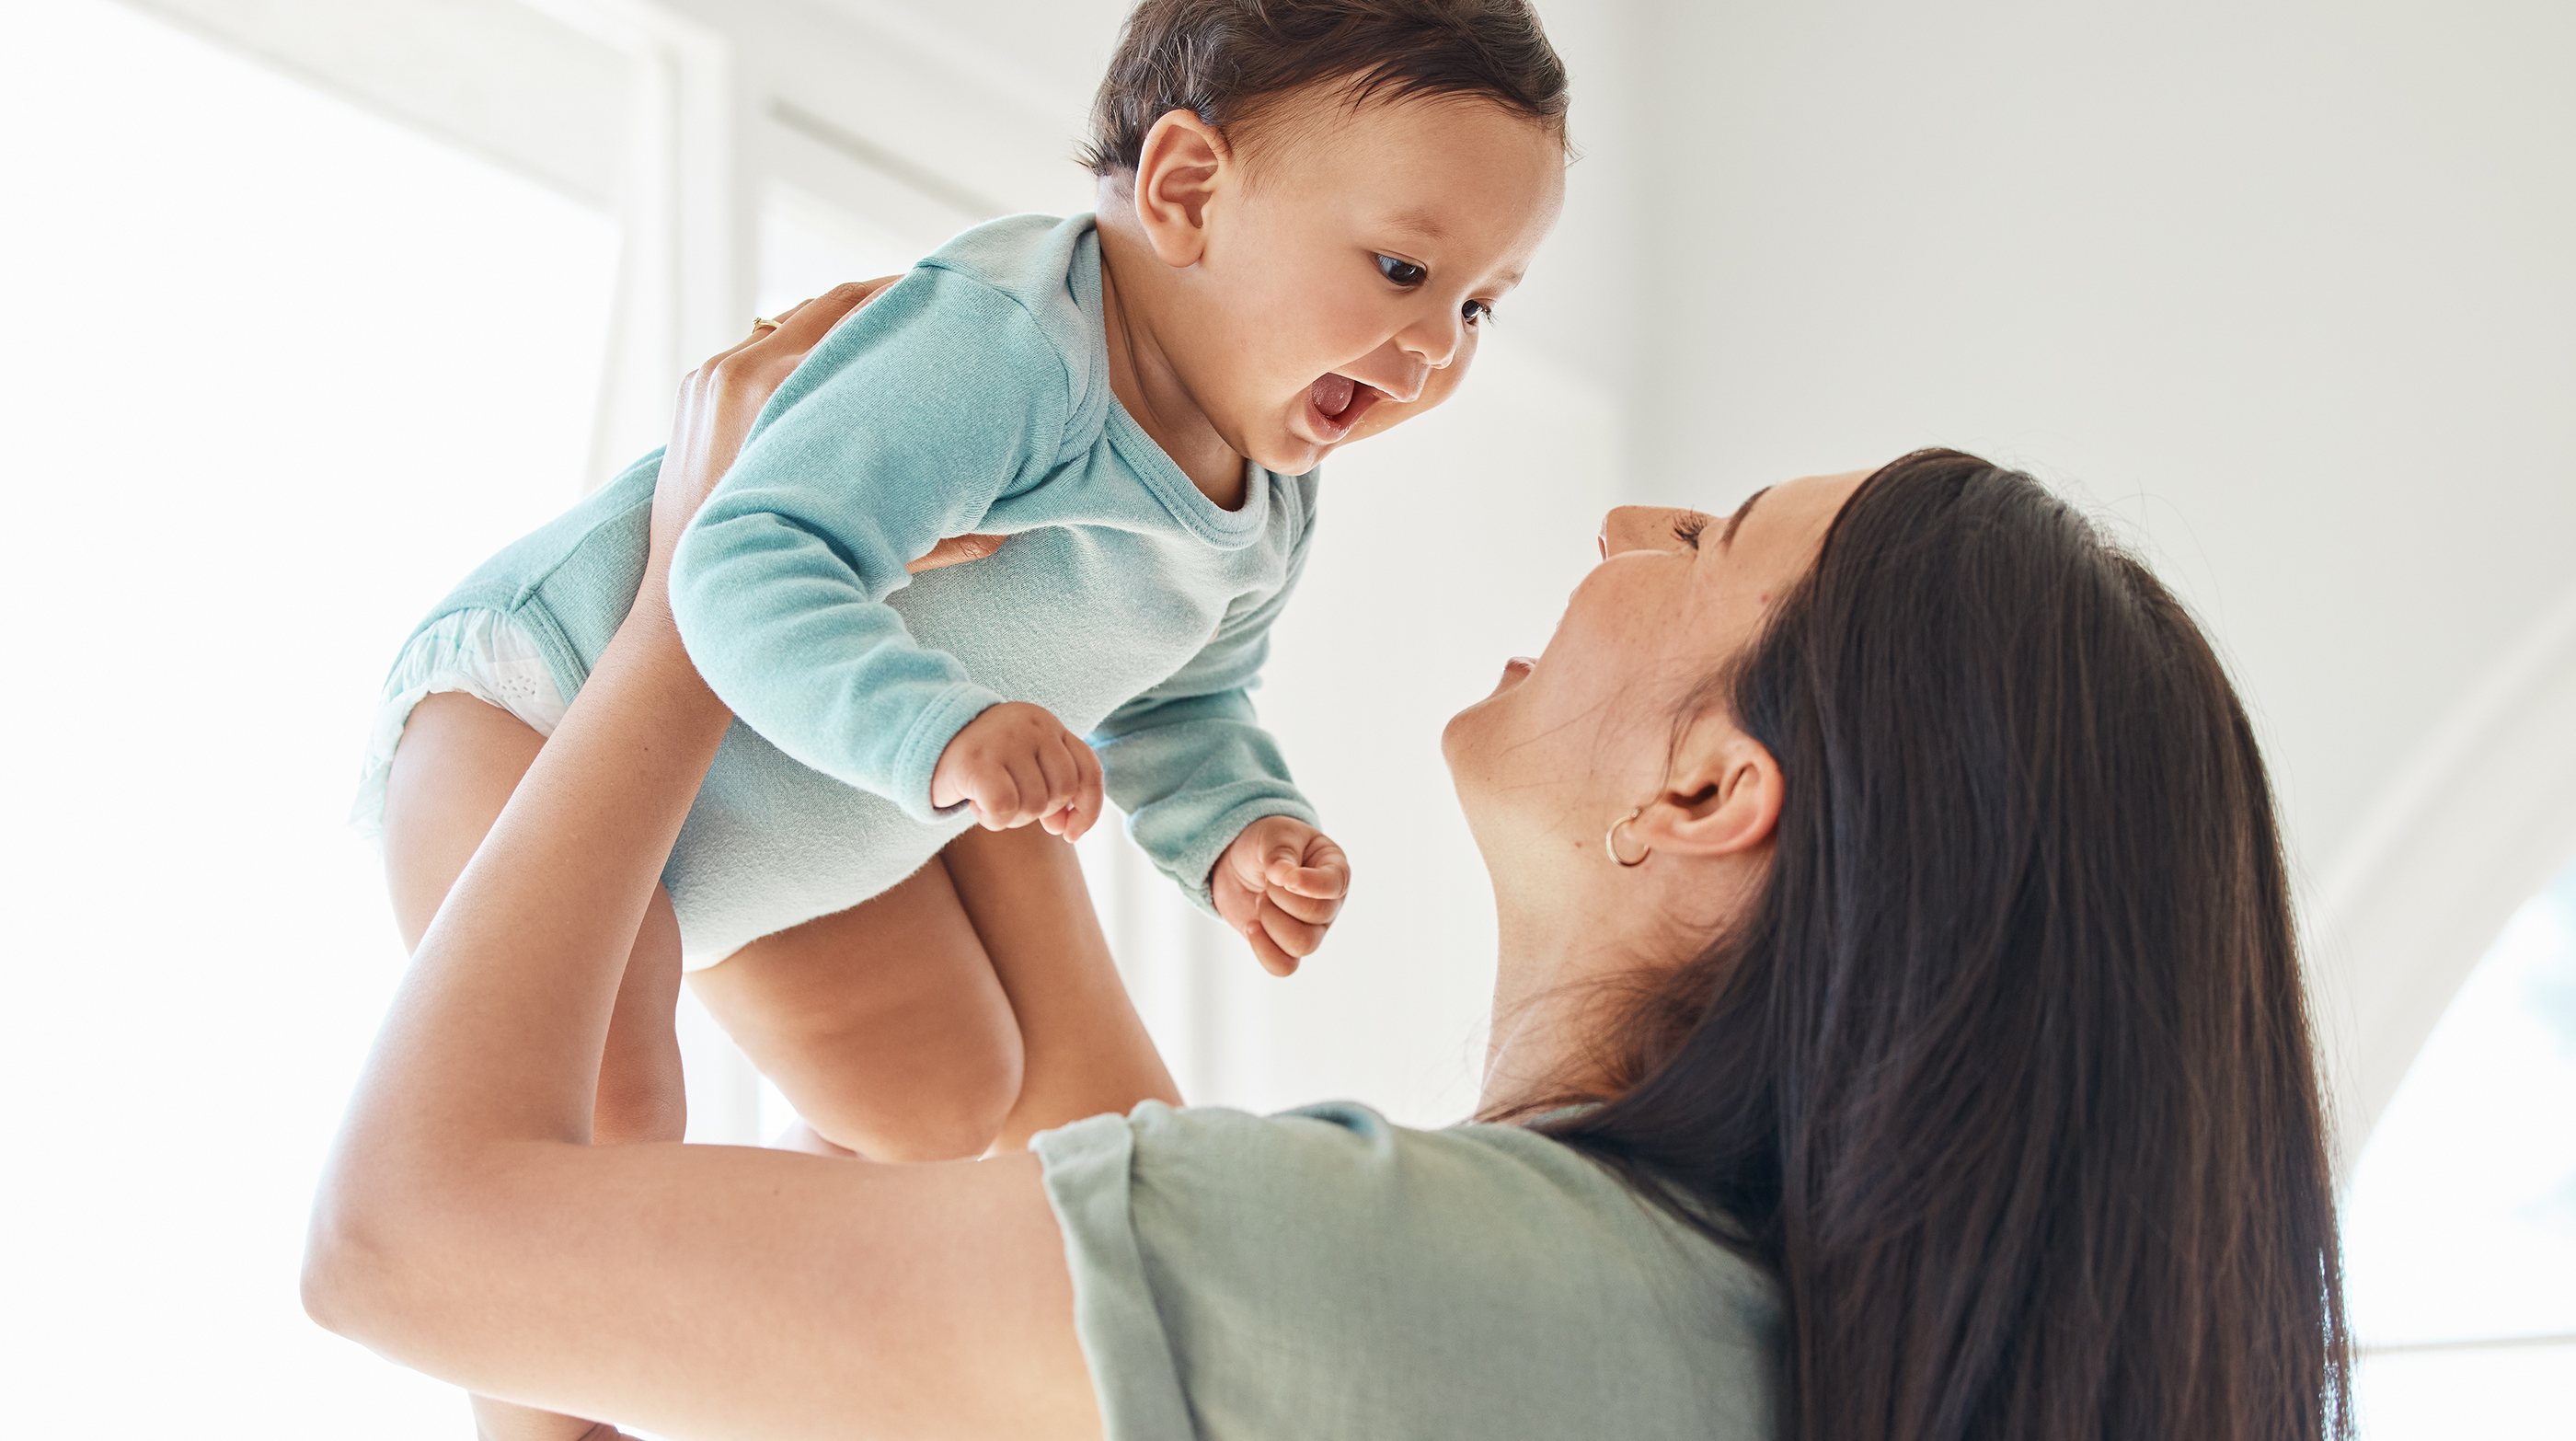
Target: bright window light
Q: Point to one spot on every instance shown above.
(807, 246)
(2460, 1230)
(278, 374)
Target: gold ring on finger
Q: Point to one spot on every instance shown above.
(767, 324)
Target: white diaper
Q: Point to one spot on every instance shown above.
(476, 652)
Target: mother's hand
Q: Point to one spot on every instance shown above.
(719, 401)
(468, 1228)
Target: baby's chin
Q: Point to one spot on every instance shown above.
(1284, 452)
(1281, 440)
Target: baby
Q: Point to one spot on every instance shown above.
(1306, 210)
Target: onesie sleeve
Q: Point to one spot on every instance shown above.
(1188, 760)
(904, 426)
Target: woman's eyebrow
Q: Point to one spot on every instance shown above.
(1726, 537)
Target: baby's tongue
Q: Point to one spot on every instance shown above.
(1332, 394)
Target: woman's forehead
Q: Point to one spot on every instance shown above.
(1782, 525)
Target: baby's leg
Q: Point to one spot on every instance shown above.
(458, 762)
(1086, 1050)
(883, 1024)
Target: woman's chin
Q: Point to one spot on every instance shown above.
(1516, 673)
(1456, 735)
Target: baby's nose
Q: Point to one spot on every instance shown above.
(1404, 379)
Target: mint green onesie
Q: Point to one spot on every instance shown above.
(973, 396)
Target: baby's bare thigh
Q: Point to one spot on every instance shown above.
(458, 763)
(883, 1024)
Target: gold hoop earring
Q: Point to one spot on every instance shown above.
(1610, 842)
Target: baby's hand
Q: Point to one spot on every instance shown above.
(1281, 883)
(1018, 764)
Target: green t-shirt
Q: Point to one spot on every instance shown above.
(1326, 1273)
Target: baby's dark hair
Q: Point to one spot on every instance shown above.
(1228, 59)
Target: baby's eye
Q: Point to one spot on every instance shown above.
(1476, 311)
(1687, 529)
(1402, 272)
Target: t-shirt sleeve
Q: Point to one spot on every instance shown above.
(1139, 1389)
(901, 428)
(1326, 1273)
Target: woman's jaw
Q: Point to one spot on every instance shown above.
(1592, 732)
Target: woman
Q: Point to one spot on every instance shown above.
(1898, 1034)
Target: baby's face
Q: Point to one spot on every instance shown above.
(1345, 282)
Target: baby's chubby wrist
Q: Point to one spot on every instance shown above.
(1016, 763)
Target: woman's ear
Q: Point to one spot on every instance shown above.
(1723, 797)
(1179, 170)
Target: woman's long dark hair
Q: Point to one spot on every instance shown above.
(2007, 1075)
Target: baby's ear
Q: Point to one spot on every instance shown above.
(1179, 170)
(1722, 797)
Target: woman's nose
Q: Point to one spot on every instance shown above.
(1639, 527)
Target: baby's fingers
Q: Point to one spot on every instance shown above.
(1056, 772)
(1290, 936)
(996, 788)
(956, 550)
(1322, 883)
(1314, 910)
(1322, 873)
(1088, 794)
(1274, 958)
(1062, 759)
(1031, 790)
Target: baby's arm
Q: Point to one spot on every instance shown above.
(1209, 798)
(903, 427)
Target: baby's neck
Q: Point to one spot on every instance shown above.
(1139, 302)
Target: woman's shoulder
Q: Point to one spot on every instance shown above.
(1342, 1154)
(1330, 1269)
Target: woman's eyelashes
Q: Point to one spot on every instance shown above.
(1687, 529)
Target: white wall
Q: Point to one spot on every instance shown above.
(2279, 286)
(2282, 286)
(1444, 548)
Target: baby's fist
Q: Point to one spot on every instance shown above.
(1017, 763)
(1280, 883)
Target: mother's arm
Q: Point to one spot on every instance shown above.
(465, 1226)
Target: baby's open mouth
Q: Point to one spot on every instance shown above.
(1337, 403)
